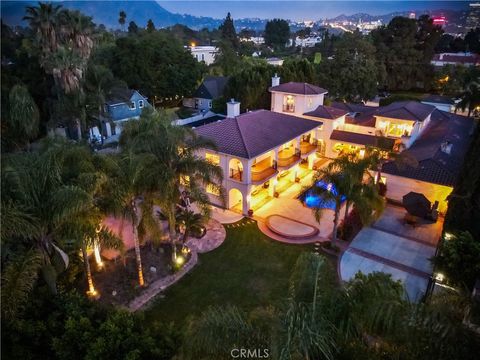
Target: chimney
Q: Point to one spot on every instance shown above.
(233, 108)
(275, 80)
(446, 147)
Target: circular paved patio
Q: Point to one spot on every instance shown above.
(290, 228)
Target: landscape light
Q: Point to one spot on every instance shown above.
(448, 236)
(180, 260)
(439, 277)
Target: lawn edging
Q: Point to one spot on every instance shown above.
(161, 284)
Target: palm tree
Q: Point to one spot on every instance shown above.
(99, 83)
(33, 185)
(191, 222)
(43, 20)
(338, 183)
(122, 19)
(23, 117)
(129, 184)
(178, 167)
(360, 188)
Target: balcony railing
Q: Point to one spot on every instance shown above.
(263, 174)
(287, 158)
(236, 174)
(307, 148)
(289, 108)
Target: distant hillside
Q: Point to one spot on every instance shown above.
(106, 12)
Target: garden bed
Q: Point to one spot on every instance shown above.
(117, 282)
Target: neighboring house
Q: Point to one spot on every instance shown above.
(443, 103)
(211, 88)
(310, 41)
(260, 149)
(466, 59)
(121, 106)
(257, 40)
(275, 61)
(206, 54)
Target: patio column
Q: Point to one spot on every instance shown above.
(294, 173)
(311, 160)
(297, 140)
(247, 171)
(275, 156)
(272, 187)
(247, 198)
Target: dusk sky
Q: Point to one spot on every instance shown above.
(302, 10)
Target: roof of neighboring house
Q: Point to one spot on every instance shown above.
(299, 88)
(119, 96)
(211, 88)
(438, 99)
(434, 164)
(460, 59)
(362, 139)
(406, 110)
(251, 134)
(326, 112)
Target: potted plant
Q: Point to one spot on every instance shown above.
(250, 212)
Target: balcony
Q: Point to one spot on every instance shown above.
(289, 108)
(288, 157)
(236, 175)
(307, 148)
(262, 171)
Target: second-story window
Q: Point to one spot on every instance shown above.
(132, 106)
(213, 158)
(288, 103)
(309, 102)
(140, 104)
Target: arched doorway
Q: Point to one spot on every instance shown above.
(235, 169)
(235, 200)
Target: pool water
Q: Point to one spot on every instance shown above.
(313, 201)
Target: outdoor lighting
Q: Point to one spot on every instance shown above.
(92, 293)
(193, 44)
(439, 277)
(98, 258)
(448, 236)
(362, 153)
(180, 260)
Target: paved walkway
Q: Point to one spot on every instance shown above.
(391, 247)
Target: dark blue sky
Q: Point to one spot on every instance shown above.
(300, 10)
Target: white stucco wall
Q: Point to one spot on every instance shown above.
(398, 186)
(303, 103)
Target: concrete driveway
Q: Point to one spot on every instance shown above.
(391, 247)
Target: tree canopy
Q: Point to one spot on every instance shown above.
(277, 33)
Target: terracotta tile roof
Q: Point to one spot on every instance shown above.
(362, 139)
(406, 110)
(251, 134)
(363, 113)
(434, 164)
(299, 88)
(326, 112)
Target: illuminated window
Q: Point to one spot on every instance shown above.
(214, 190)
(213, 158)
(310, 103)
(288, 103)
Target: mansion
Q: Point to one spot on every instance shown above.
(261, 152)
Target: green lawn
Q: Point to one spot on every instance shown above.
(248, 269)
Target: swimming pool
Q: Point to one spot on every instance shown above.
(314, 201)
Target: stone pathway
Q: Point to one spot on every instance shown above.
(214, 238)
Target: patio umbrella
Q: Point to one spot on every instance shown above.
(416, 204)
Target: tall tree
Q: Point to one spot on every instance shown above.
(353, 74)
(132, 28)
(277, 33)
(177, 171)
(150, 26)
(470, 97)
(228, 32)
(23, 117)
(122, 18)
